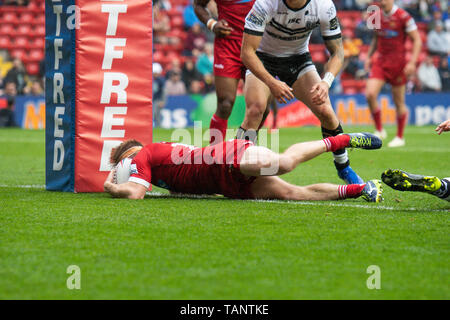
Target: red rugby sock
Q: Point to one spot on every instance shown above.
(218, 124)
(350, 191)
(337, 142)
(377, 119)
(401, 122)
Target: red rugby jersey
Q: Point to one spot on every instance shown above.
(392, 36)
(234, 12)
(187, 169)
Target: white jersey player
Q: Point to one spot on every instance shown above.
(275, 51)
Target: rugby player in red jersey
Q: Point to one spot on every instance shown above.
(390, 66)
(228, 67)
(236, 169)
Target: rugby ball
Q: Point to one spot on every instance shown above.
(122, 171)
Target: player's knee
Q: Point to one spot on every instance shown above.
(290, 194)
(325, 113)
(286, 165)
(370, 95)
(256, 110)
(224, 107)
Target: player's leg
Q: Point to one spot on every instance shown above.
(328, 119)
(258, 161)
(226, 95)
(274, 107)
(257, 94)
(276, 188)
(398, 95)
(404, 181)
(373, 88)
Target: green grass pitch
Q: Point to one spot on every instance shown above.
(169, 248)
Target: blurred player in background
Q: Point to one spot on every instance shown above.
(275, 50)
(404, 181)
(235, 168)
(390, 65)
(228, 67)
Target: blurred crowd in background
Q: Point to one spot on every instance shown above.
(22, 40)
(183, 48)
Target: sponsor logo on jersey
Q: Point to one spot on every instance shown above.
(253, 18)
(219, 66)
(388, 33)
(334, 24)
(294, 20)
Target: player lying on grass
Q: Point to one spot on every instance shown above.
(236, 169)
(404, 181)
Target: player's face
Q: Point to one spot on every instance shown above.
(386, 5)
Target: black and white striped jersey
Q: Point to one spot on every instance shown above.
(286, 31)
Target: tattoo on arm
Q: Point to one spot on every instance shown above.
(335, 48)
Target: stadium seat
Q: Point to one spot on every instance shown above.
(319, 56)
(39, 31)
(18, 53)
(10, 17)
(174, 12)
(178, 33)
(35, 55)
(21, 42)
(347, 23)
(34, 7)
(7, 29)
(352, 86)
(27, 18)
(176, 22)
(37, 43)
(40, 19)
(32, 68)
(24, 30)
(5, 42)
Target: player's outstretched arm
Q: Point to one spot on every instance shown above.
(444, 126)
(280, 90)
(128, 190)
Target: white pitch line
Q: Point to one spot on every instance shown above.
(26, 186)
(298, 203)
(302, 203)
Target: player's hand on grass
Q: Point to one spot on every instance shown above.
(281, 91)
(444, 126)
(319, 93)
(410, 69)
(222, 29)
(108, 181)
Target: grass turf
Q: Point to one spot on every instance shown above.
(167, 248)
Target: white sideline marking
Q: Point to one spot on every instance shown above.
(298, 203)
(301, 203)
(26, 186)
